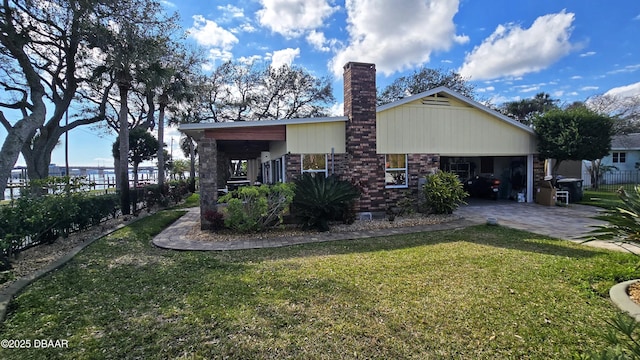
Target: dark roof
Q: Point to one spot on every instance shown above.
(626, 142)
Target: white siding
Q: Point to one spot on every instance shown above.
(449, 130)
(316, 138)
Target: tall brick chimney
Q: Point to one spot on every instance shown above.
(364, 165)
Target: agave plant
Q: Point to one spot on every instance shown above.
(623, 221)
(320, 199)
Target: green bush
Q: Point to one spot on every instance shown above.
(444, 192)
(622, 220)
(255, 208)
(36, 220)
(320, 199)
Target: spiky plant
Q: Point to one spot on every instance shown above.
(320, 199)
(623, 221)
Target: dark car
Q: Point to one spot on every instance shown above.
(483, 186)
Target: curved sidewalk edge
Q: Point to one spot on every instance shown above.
(176, 237)
(8, 293)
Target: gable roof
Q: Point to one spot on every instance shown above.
(459, 97)
(626, 142)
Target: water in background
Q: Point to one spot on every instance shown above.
(103, 178)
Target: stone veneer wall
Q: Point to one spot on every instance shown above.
(364, 165)
(208, 155)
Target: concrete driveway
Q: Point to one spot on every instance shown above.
(568, 223)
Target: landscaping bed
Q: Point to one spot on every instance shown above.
(289, 230)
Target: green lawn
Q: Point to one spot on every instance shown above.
(603, 199)
(479, 293)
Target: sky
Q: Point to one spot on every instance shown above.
(509, 50)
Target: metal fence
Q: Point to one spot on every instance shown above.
(612, 181)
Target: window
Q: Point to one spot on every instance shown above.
(619, 157)
(314, 163)
(395, 170)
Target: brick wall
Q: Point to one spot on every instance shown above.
(419, 165)
(363, 164)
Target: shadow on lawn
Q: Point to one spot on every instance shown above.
(495, 236)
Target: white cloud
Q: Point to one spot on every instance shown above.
(335, 110)
(530, 89)
(318, 40)
(246, 27)
(625, 91)
(514, 51)
(397, 36)
(284, 57)
(167, 3)
(626, 69)
(292, 18)
(576, 77)
(589, 88)
(485, 89)
(231, 11)
(208, 33)
(558, 94)
(214, 56)
(588, 53)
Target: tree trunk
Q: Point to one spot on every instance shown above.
(37, 154)
(20, 134)
(125, 200)
(163, 105)
(135, 175)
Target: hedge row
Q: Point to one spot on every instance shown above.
(29, 221)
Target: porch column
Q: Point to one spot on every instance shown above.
(208, 151)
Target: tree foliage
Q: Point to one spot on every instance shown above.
(573, 134)
(132, 40)
(245, 92)
(526, 110)
(45, 59)
(423, 80)
(142, 147)
(624, 110)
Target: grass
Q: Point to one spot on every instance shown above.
(603, 199)
(479, 293)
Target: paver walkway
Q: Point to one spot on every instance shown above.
(568, 223)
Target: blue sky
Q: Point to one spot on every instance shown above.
(508, 49)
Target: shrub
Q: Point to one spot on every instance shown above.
(444, 192)
(255, 208)
(320, 199)
(31, 221)
(622, 221)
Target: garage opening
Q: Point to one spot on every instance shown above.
(510, 171)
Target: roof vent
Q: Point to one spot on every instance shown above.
(436, 100)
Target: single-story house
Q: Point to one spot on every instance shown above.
(625, 152)
(385, 149)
